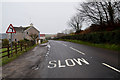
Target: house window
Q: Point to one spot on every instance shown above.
(15, 39)
(27, 32)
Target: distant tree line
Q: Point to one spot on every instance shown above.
(103, 15)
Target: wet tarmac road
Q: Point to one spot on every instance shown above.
(60, 59)
(71, 60)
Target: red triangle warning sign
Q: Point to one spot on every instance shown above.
(10, 29)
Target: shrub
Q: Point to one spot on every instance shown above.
(5, 42)
(13, 43)
(22, 42)
(26, 39)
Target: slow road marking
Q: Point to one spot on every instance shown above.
(77, 50)
(67, 63)
(111, 67)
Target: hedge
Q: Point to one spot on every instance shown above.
(111, 37)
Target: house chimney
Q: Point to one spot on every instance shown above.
(31, 24)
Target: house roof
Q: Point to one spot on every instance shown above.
(31, 27)
(42, 35)
(22, 29)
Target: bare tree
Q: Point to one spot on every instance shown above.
(105, 12)
(33, 37)
(76, 23)
(68, 31)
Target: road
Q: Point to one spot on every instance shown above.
(70, 60)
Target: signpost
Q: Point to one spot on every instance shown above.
(11, 30)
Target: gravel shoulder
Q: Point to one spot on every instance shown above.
(25, 64)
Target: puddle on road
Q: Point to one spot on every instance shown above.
(35, 68)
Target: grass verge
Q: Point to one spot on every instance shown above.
(45, 41)
(6, 60)
(105, 46)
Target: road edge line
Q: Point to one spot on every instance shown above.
(111, 67)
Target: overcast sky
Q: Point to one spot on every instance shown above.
(47, 17)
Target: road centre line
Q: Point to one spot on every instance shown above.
(77, 50)
(64, 44)
(111, 67)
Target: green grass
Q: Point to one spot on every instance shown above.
(45, 41)
(6, 60)
(106, 46)
(4, 49)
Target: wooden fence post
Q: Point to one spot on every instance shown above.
(28, 45)
(16, 48)
(21, 47)
(8, 51)
(25, 47)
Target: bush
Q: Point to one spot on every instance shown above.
(22, 42)
(26, 39)
(13, 43)
(5, 42)
(28, 42)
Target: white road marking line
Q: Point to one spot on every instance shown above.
(48, 46)
(64, 44)
(111, 67)
(77, 50)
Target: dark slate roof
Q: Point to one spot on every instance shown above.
(20, 29)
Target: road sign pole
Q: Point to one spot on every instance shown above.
(11, 30)
(11, 45)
